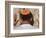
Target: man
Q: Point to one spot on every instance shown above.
(26, 19)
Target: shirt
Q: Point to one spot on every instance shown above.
(25, 26)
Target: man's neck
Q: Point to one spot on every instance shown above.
(25, 22)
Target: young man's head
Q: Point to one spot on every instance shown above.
(26, 15)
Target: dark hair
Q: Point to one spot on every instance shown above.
(28, 18)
